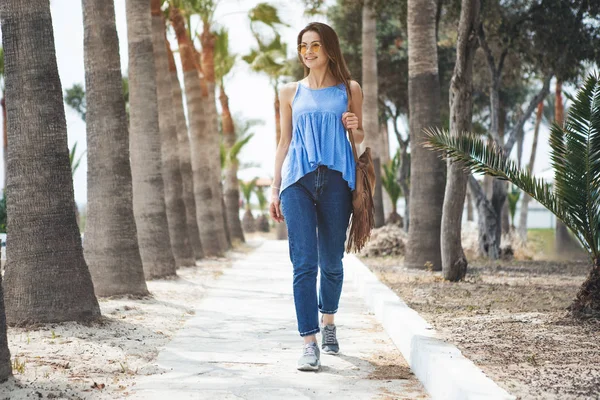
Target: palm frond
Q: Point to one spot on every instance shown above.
(247, 188)
(224, 60)
(238, 146)
(389, 179)
(479, 157)
(267, 14)
(262, 199)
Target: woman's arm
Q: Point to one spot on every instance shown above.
(353, 120)
(286, 94)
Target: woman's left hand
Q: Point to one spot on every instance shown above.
(350, 120)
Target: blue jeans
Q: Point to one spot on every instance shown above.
(317, 210)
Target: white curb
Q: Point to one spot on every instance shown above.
(440, 366)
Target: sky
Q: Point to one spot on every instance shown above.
(250, 94)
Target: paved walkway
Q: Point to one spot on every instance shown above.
(242, 343)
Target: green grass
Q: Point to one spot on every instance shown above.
(542, 240)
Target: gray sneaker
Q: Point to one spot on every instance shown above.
(329, 343)
(310, 360)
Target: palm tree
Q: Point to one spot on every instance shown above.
(370, 106)
(111, 245)
(3, 105)
(145, 146)
(209, 225)
(247, 189)
(205, 9)
(271, 59)
(5, 365)
(262, 222)
(427, 174)
(185, 158)
(176, 217)
(46, 279)
(389, 181)
(575, 199)
(224, 62)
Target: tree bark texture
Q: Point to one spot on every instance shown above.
(185, 158)
(173, 183)
(5, 364)
(46, 279)
(145, 146)
(204, 195)
(111, 245)
(232, 186)
(487, 222)
(427, 173)
(454, 262)
(526, 198)
(587, 301)
(370, 104)
(208, 41)
(469, 201)
(4, 137)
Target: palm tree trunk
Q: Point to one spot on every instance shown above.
(564, 243)
(232, 191)
(526, 197)
(427, 175)
(208, 39)
(111, 245)
(185, 158)
(5, 365)
(370, 104)
(208, 224)
(145, 146)
(180, 242)
(46, 279)
(587, 301)
(4, 137)
(454, 262)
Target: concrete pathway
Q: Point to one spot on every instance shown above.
(243, 343)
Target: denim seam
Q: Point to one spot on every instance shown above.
(328, 312)
(311, 332)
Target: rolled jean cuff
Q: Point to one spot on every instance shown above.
(311, 332)
(327, 312)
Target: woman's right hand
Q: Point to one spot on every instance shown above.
(275, 208)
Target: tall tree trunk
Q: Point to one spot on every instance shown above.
(487, 221)
(281, 228)
(427, 173)
(111, 245)
(185, 158)
(5, 365)
(404, 183)
(454, 262)
(204, 195)
(526, 197)
(46, 279)
(208, 40)
(175, 207)
(370, 104)
(145, 146)
(4, 137)
(564, 243)
(469, 201)
(385, 154)
(232, 186)
(505, 215)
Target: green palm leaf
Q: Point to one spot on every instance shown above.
(238, 146)
(247, 189)
(389, 179)
(262, 199)
(575, 158)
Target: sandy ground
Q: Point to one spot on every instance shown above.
(102, 360)
(510, 319)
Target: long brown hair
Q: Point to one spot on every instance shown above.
(331, 43)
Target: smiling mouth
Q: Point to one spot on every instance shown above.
(310, 59)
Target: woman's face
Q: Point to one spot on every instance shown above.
(315, 55)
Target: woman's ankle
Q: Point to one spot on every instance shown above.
(310, 339)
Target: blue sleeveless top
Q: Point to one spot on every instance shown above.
(318, 135)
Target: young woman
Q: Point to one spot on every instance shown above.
(314, 179)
